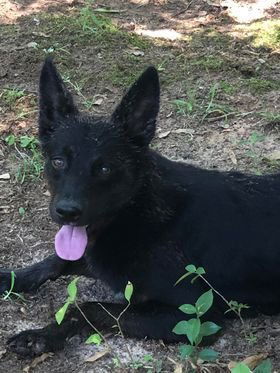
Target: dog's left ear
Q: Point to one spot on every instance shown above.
(56, 102)
(138, 109)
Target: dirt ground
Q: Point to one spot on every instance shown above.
(220, 76)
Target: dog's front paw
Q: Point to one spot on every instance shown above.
(32, 343)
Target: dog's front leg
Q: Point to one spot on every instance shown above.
(151, 320)
(31, 278)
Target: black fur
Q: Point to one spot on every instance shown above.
(148, 218)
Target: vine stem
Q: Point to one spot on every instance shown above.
(117, 319)
(226, 301)
(110, 349)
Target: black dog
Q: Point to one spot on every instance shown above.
(127, 213)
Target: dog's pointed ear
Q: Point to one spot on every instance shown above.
(138, 109)
(55, 101)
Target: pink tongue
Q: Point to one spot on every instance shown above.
(71, 242)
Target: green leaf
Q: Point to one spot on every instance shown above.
(21, 211)
(94, 338)
(200, 271)
(240, 368)
(264, 367)
(189, 309)
(209, 328)
(204, 302)
(193, 329)
(148, 357)
(128, 291)
(186, 351)
(207, 354)
(190, 268)
(59, 316)
(10, 140)
(25, 141)
(72, 290)
(181, 328)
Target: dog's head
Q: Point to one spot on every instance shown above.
(94, 166)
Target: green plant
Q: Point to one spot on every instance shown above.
(148, 363)
(233, 306)
(14, 99)
(78, 87)
(186, 107)
(215, 110)
(270, 116)
(31, 165)
(259, 86)
(92, 23)
(264, 367)
(21, 211)
(195, 330)
(127, 294)
(97, 337)
(8, 293)
(10, 96)
(209, 62)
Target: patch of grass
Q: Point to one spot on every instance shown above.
(78, 87)
(11, 96)
(213, 63)
(86, 27)
(227, 87)
(19, 101)
(259, 86)
(124, 74)
(94, 23)
(217, 38)
(266, 33)
(253, 139)
(186, 106)
(136, 40)
(31, 164)
(204, 106)
(271, 117)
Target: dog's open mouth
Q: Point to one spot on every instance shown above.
(71, 242)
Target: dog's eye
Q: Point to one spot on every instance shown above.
(105, 170)
(58, 163)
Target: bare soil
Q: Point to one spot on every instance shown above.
(227, 78)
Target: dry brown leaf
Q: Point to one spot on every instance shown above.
(5, 176)
(98, 102)
(2, 353)
(138, 53)
(36, 361)
(232, 157)
(251, 361)
(274, 156)
(41, 34)
(178, 368)
(96, 356)
(164, 134)
(32, 44)
(183, 130)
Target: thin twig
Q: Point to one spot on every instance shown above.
(225, 300)
(117, 319)
(98, 332)
(184, 10)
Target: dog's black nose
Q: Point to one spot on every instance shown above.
(68, 211)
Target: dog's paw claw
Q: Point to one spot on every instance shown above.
(29, 343)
